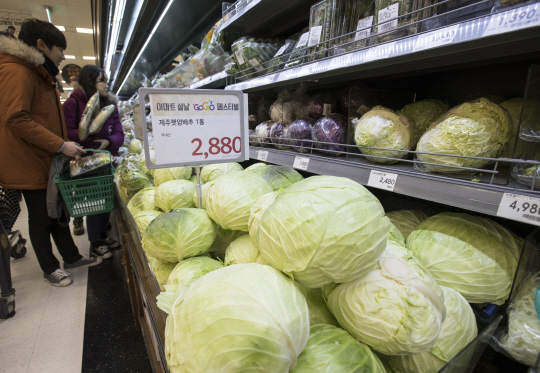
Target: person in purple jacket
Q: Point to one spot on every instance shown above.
(92, 79)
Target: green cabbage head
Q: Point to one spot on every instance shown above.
(457, 331)
(423, 113)
(193, 179)
(143, 200)
(280, 177)
(135, 146)
(332, 350)
(257, 211)
(174, 194)
(257, 168)
(213, 171)
(242, 251)
(472, 255)
(395, 235)
(204, 192)
(163, 175)
(406, 221)
(179, 234)
(223, 240)
(323, 229)
(477, 129)
(523, 338)
(182, 276)
(383, 128)
(396, 309)
(231, 196)
(161, 270)
(144, 218)
(318, 310)
(240, 318)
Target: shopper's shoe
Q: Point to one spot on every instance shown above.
(78, 226)
(58, 278)
(111, 244)
(100, 250)
(84, 262)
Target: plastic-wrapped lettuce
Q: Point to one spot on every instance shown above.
(332, 350)
(179, 234)
(135, 146)
(231, 196)
(476, 129)
(162, 270)
(406, 220)
(281, 177)
(396, 309)
(457, 331)
(472, 255)
(250, 316)
(283, 54)
(299, 130)
(332, 129)
(322, 229)
(144, 218)
(174, 194)
(143, 200)
(163, 175)
(383, 128)
(279, 135)
(213, 171)
(131, 179)
(422, 114)
(242, 251)
(318, 310)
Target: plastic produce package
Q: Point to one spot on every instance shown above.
(262, 133)
(279, 134)
(89, 163)
(331, 129)
(299, 130)
(526, 173)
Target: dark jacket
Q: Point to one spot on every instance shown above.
(112, 129)
(32, 127)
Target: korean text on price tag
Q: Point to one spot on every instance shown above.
(382, 180)
(515, 19)
(315, 36)
(520, 208)
(301, 163)
(195, 127)
(362, 24)
(262, 155)
(436, 38)
(388, 13)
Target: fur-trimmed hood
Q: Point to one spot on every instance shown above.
(20, 49)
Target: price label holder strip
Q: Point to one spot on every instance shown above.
(515, 19)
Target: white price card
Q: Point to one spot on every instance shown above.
(303, 40)
(262, 155)
(379, 52)
(382, 180)
(280, 51)
(315, 35)
(194, 127)
(387, 13)
(364, 32)
(256, 64)
(520, 208)
(239, 57)
(436, 38)
(527, 16)
(137, 120)
(301, 163)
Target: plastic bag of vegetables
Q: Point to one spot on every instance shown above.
(330, 129)
(299, 130)
(89, 163)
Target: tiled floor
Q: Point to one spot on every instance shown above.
(47, 332)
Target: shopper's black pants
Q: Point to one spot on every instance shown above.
(41, 228)
(97, 226)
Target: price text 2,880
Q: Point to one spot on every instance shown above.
(216, 146)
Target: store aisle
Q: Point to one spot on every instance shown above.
(85, 327)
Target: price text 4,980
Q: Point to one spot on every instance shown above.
(216, 146)
(525, 206)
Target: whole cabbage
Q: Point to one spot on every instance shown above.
(231, 196)
(250, 316)
(315, 106)
(332, 350)
(406, 220)
(395, 235)
(193, 179)
(143, 200)
(279, 135)
(163, 175)
(287, 112)
(422, 114)
(478, 129)
(318, 310)
(204, 192)
(257, 168)
(224, 237)
(144, 218)
(472, 255)
(135, 146)
(174, 194)
(262, 133)
(256, 212)
(161, 270)
(242, 251)
(179, 234)
(299, 130)
(457, 331)
(181, 276)
(396, 309)
(213, 171)
(333, 129)
(323, 229)
(523, 338)
(142, 167)
(281, 177)
(131, 180)
(383, 128)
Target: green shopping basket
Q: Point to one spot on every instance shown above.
(88, 195)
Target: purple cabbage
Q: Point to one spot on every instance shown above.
(301, 129)
(331, 128)
(315, 107)
(279, 134)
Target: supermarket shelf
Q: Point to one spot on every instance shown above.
(464, 194)
(476, 40)
(214, 81)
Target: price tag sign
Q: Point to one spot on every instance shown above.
(436, 38)
(362, 24)
(387, 13)
(262, 155)
(315, 36)
(382, 180)
(196, 127)
(527, 16)
(137, 120)
(301, 163)
(379, 52)
(520, 208)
